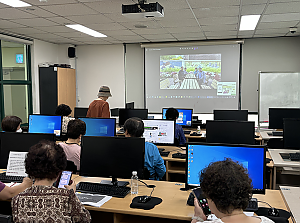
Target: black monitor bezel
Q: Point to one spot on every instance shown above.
(185, 126)
(285, 133)
(129, 104)
(263, 191)
(79, 108)
(243, 112)
(163, 144)
(136, 109)
(102, 118)
(61, 122)
(272, 110)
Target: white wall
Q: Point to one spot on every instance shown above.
(100, 65)
(45, 52)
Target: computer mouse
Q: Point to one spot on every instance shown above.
(273, 212)
(144, 199)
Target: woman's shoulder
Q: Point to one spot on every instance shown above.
(265, 219)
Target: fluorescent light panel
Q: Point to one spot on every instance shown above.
(15, 3)
(249, 22)
(86, 30)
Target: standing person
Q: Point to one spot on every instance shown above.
(100, 106)
(227, 187)
(76, 129)
(173, 114)
(11, 124)
(181, 75)
(64, 111)
(134, 127)
(43, 202)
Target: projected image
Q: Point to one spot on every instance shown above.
(194, 71)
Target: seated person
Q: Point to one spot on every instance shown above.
(7, 193)
(11, 124)
(65, 111)
(227, 187)
(134, 127)
(173, 114)
(42, 202)
(76, 129)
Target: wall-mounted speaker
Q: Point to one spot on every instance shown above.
(71, 52)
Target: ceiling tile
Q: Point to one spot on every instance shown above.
(118, 17)
(214, 3)
(253, 9)
(188, 35)
(44, 36)
(220, 27)
(133, 38)
(151, 24)
(55, 29)
(267, 31)
(184, 29)
(60, 20)
(266, 35)
(221, 37)
(119, 33)
(50, 2)
(252, 2)
(36, 22)
(109, 6)
(178, 22)
(3, 6)
(106, 26)
(278, 8)
(174, 4)
(72, 33)
(286, 1)
(89, 19)
(178, 14)
(69, 9)
(89, 38)
(242, 34)
(26, 31)
(218, 20)
(150, 31)
(9, 24)
(14, 13)
(281, 17)
(34, 10)
(155, 37)
(220, 34)
(276, 25)
(215, 12)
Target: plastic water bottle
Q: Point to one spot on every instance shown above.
(134, 183)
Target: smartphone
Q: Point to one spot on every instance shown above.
(64, 179)
(197, 192)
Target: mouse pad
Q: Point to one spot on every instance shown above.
(146, 206)
(262, 211)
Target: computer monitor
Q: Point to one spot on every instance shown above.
(19, 142)
(200, 155)
(100, 126)
(80, 112)
(291, 133)
(159, 131)
(114, 112)
(129, 105)
(237, 115)
(45, 124)
(125, 114)
(114, 157)
(184, 118)
(276, 116)
(232, 132)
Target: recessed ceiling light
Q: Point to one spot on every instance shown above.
(15, 3)
(86, 30)
(249, 22)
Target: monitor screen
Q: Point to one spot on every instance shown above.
(100, 126)
(19, 58)
(237, 115)
(159, 131)
(19, 142)
(200, 155)
(291, 133)
(113, 157)
(125, 114)
(184, 118)
(129, 105)
(80, 112)
(45, 124)
(276, 116)
(232, 132)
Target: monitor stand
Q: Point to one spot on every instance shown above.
(114, 181)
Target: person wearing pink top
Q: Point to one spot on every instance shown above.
(76, 129)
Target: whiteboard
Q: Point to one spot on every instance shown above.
(277, 90)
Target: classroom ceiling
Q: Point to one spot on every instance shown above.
(184, 20)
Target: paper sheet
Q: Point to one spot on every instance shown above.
(95, 200)
(16, 164)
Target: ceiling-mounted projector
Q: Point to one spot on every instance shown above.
(142, 10)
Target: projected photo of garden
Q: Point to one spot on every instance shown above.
(195, 71)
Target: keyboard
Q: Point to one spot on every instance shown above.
(186, 132)
(164, 153)
(252, 205)
(8, 179)
(104, 189)
(295, 156)
(179, 155)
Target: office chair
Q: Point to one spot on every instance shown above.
(275, 143)
(71, 167)
(5, 218)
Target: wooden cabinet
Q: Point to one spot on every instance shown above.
(57, 86)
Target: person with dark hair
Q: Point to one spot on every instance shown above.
(227, 187)
(11, 124)
(100, 106)
(134, 127)
(42, 202)
(173, 114)
(64, 111)
(76, 129)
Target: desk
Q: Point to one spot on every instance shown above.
(172, 209)
(291, 196)
(279, 162)
(265, 137)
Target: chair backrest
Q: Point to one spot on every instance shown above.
(71, 167)
(5, 218)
